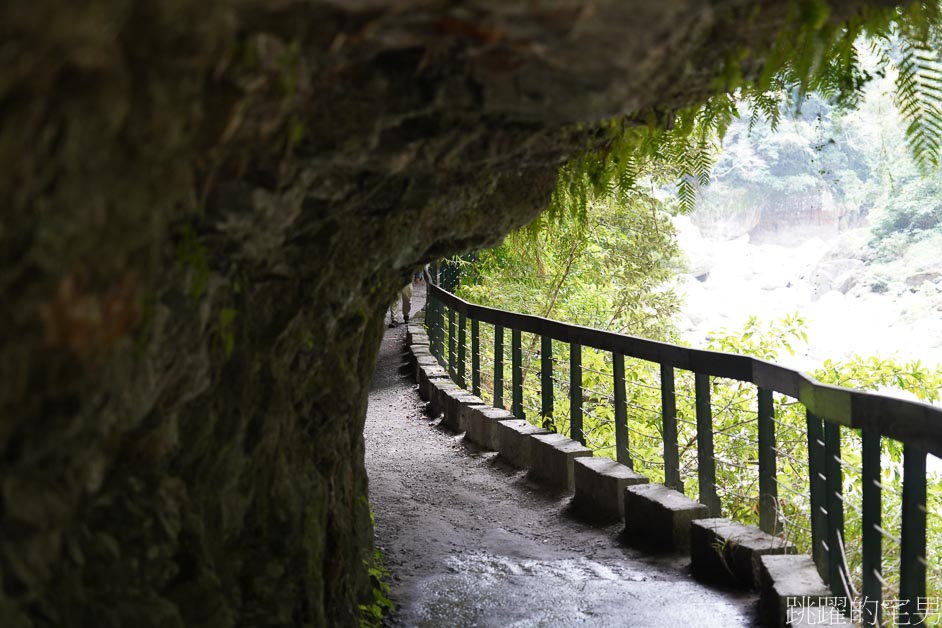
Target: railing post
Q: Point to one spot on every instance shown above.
(498, 366)
(768, 486)
(575, 393)
(838, 578)
(516, 372)
(475, 357)
(462, 348)
(622, 452)
(451, 341)
(669, 431)
(706, 462)
(871, 539)
(546, 376)
(818, 491)
(912, 568)
(430, 320)
(462, 342)
(440, 331)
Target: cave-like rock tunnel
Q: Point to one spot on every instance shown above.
(207, 207)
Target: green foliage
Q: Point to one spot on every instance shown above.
(678, 149)
(874, 373)
(371, 615)
(307, 340)
(612, 269)
(912, 212)
(143, 334)
(289, 64)
(907, 201)
(295, 130)
(811, 53)
(225, 329)
(919, 94)
(192, 254)
(761, 340)
(824, 161)
(853, 164)
(609, 270)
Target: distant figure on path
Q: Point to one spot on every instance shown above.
(406, 297)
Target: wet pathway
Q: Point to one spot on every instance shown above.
(471, 542)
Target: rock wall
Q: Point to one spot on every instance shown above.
(208, 206)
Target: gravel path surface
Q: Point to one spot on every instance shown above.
(470, 541)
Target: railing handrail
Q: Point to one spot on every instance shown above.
(911, 422)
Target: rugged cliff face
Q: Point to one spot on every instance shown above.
(208, 206)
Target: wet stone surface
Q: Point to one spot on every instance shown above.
(469, 541)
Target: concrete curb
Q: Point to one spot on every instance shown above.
(788, 580)
(427, 378)
(420, 361)
(514, 441)
(661, 516)
(443, 391)
(480, 423)
(600, 487)
(457, 406)
(725, 550)
(551, 459)
(416, 335)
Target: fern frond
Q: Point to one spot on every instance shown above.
(703, 162)
(766, 105)
(686, 194)
(919, 99)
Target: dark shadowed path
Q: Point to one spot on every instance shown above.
(471, 542)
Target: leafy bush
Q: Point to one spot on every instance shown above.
(612, 269)
(910, 213)
(372, 614)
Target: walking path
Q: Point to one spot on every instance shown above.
(470, 541)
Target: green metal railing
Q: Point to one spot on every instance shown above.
(831, 413)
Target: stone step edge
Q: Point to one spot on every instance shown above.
(600, 487)
(480, 424)
(726, 551)
(788, 583)
(661, 516)
(551, 460)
